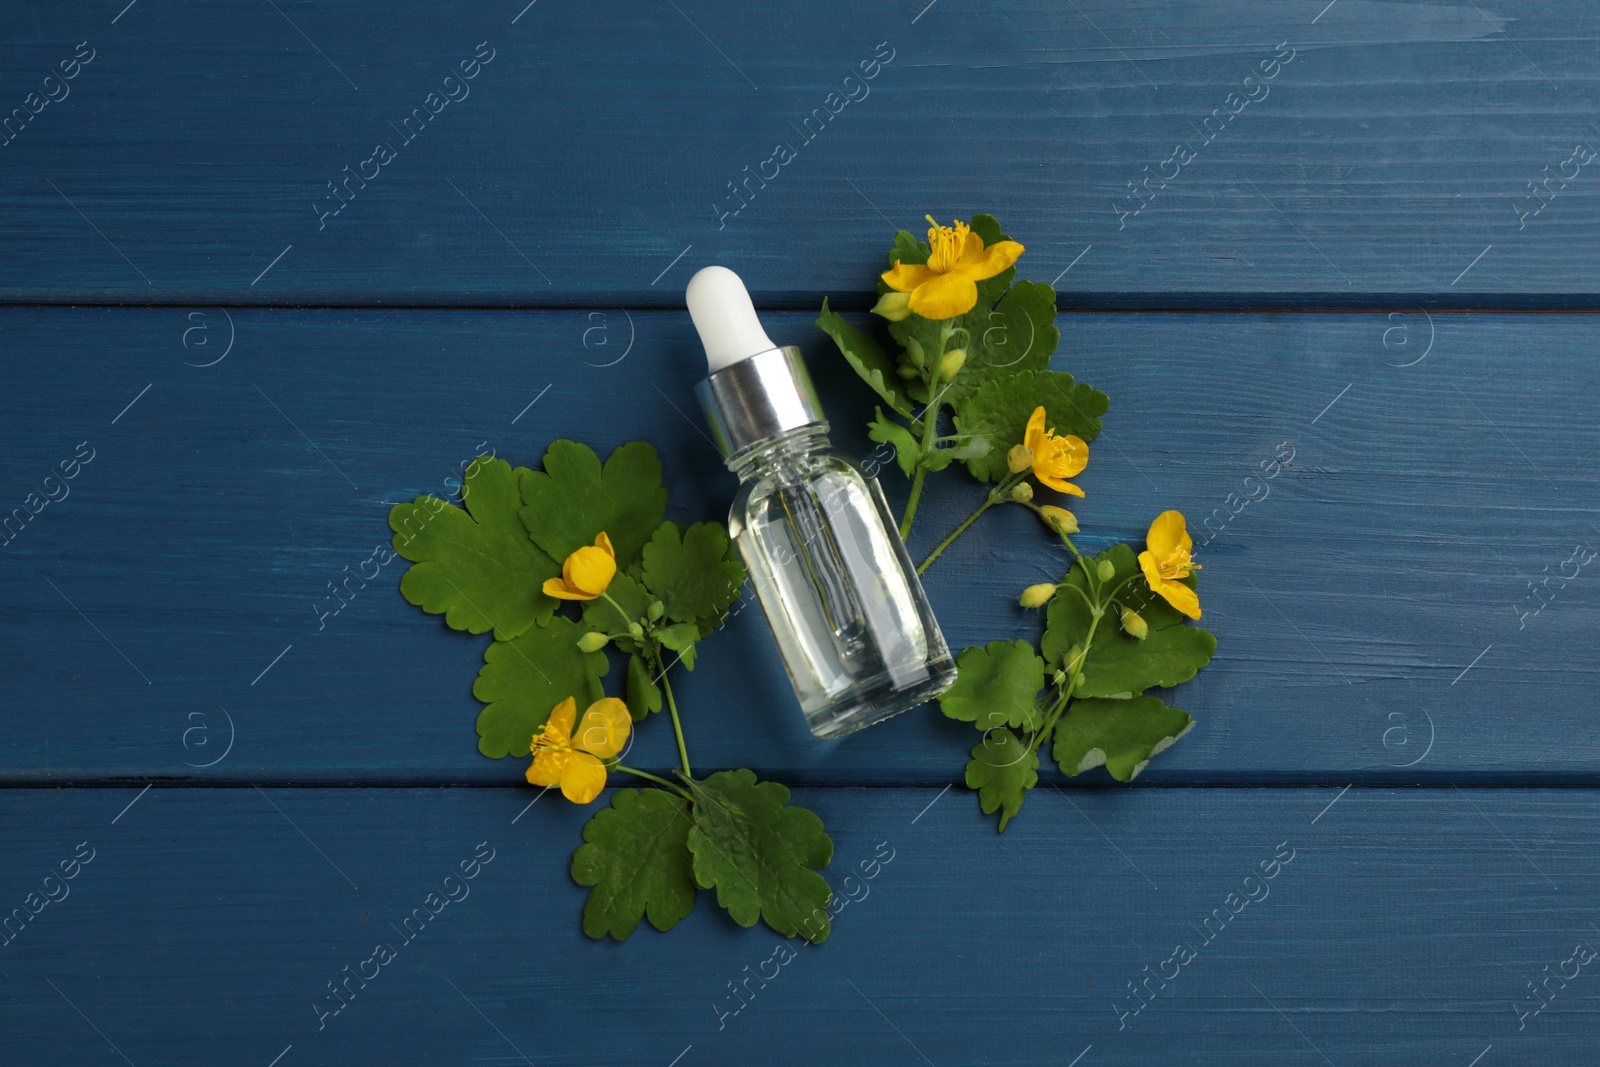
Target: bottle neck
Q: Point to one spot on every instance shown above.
(777, 452)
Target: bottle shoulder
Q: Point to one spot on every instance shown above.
(823, 469)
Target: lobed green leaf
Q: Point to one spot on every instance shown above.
(693, 573)
(996, 685)
(1117, 663)
(907, 451)
(1002, 770)
(573, 499)
(1000, 407)
(476, 566)
(636, 861)
(868, 359)
(760, 854)
(1121, 735)
(523, 679)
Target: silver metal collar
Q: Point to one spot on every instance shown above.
(759, 398)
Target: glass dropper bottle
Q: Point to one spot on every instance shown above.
(840, 593)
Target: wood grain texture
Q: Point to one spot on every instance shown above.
(1388, 163)
(1400, 931)
(1373, 607)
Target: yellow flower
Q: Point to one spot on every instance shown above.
(1166, 559)
(946, 286)
(574, 763)
(1055, 458)
(586, 573)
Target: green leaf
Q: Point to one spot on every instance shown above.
(1002, 770)
(636, 861)
(868, 359)
(1014, 335)
(475, 566)
(1119, 664)
(680, 637)
(999, 410)
(759, 854)
(523, 679)
(643, 695)
(573, 499)
(602, 615)
(1068, 617)
(1121, 734)
(976, 445)
(907, 249)
(996, 685)
(692, 574)
(906, 449)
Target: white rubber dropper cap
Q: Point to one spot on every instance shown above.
(725, 318)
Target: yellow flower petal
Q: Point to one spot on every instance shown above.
(971, 253)
(559, 589)
(582, 778)
(945, 296)
(562, 716)
(1061, 457)
(1058, 484)
(1177, 594)
(990, 261)
(589, 570)
(1181, 597)
(605, 728)
(1034, 434)
(603, 543)
(1168, 534)
(904, 277)
(547, 766)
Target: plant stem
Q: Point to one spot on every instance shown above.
(998, 495)
(988, 502)
(654, 778)
(672, 706)
(1044, 732)
(1083, 657)
(930, 420)
(623, 615)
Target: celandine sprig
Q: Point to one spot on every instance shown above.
(646, 591)
(974, 341)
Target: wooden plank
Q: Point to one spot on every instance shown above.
(1401, 929)
(1373, 608)
(601, 156)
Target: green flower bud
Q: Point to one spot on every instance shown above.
(1019, 459)
(635, 629)
(1037, 596)
(914, 351)
(893, 306)
(656, 610)
(1106, 570)
(907, 371)
(1022, 492)
(1134, 624)
(951, 363)
(593, 641)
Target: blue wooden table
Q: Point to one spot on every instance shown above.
(248, 331)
